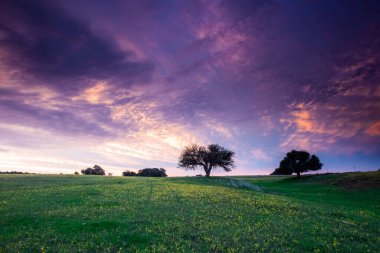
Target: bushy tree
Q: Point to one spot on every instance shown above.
(76, 173)
(208, 158)
(152, 172)
(129, 173)
(96, 170)
(279, 171)
(298, 162)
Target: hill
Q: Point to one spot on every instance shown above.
(118, 214)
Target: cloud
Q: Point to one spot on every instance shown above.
(259, 154)
(338, 125)
(99, 93)
(44, 42)
(77, 119)
(3, 150)
(374, 129)
(137, 136)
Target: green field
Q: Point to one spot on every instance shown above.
(322, 213)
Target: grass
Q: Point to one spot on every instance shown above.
(345, 190)
(41, 213)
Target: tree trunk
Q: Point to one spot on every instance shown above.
(298, 174)
(207, 171)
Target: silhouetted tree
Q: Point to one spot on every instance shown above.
(298, 162)
(278, 171)
(212, 156)
(96, 170)
(76, 173)
(129, 173)
(152, 172)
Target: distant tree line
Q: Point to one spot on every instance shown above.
(147, 172)
(14, 172)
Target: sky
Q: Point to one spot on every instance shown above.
(128, 84)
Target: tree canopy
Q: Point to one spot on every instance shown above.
(96, 170)
(147, 172)
(129, 173)
(152, 172)
(298, 162)
(208, 158)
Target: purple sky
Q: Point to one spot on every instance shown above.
(127, 84)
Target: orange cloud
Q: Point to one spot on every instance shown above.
(321, 127)
(374, 129)
(96, 94)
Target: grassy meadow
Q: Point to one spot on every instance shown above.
(61, 213)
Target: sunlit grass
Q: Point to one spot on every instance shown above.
(111, 214)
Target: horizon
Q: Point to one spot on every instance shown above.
(128, 84)
(226, 174)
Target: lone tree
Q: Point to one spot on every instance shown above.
(96, 170)
(212, 156)
(298, 162)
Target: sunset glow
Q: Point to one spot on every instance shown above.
(128, 84)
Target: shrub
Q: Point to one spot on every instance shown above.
(96, 170)
(129, 173)
(152, 172)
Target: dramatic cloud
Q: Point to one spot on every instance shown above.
(44, 42)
